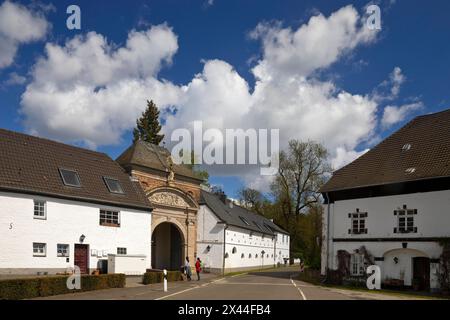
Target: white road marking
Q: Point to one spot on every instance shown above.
(189, 289)
(255, 284)
(298, 288)
(175, 293)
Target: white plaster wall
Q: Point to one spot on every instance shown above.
(209, 233)
(240, 239)
(66, 222)
(127, 264)
(432, 219)
(389, 250)
(282, 248)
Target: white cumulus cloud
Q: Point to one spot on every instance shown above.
(18, 25)
(91, 91)
(396, 114)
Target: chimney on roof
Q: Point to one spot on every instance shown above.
(223, 197)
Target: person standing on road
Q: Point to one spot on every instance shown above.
(198, 268)
(187, 268)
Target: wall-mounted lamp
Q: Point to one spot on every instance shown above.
(82, 237)
(208, 248)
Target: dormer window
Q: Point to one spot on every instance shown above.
(244, 220)
(257, 225)
(113, 185)
(70, 178)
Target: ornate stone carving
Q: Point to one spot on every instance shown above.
(168, 198)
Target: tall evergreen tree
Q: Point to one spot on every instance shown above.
(148, 126)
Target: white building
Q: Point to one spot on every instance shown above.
(64, 206)
(391, 207)
(232, 238)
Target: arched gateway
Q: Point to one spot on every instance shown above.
(174, 192)
(174, 214)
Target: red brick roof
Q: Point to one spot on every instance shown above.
(419, 150)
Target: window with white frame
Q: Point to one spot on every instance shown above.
(122, 251)
(405, 220)
(109, 218)
(62, 250)
(358, 222)
(40, 209)
(39, 249)
(357, 264)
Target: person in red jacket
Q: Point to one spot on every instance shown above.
(198, 268)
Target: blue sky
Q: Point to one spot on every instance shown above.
(415, 38)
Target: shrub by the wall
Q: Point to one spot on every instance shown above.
(27, 288)
(157, 276)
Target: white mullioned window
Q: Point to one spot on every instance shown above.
(109, 218)
(62, 250)
(405, 220)
(357, 264)
(122, 251)
(39, 249)
(358, 222)
(40, 209)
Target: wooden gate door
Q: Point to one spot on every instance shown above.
(421, 272)
(82, 257)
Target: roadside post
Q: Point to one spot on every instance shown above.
(165, 280)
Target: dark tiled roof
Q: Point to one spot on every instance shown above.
(428, 157)
(31, 165)
(231, 215)
(154, 157)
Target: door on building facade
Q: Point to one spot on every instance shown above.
(421, 272)
(82, 257)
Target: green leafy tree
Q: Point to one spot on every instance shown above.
(148, 126)
(302, 171)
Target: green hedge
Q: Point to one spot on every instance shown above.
(27, 288)
(157, 277)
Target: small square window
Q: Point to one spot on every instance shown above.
(113, 185)
(122, 251)
(39, 249)
(109, 218)
(62, 250)
(70, 178)
(40, 209)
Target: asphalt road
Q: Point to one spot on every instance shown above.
(278, 284)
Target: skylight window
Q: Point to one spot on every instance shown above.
(406, 147)
(113, 185)
(244, 220)
(257, 224)
(410, 170)
(268, 228)
(70, 178)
